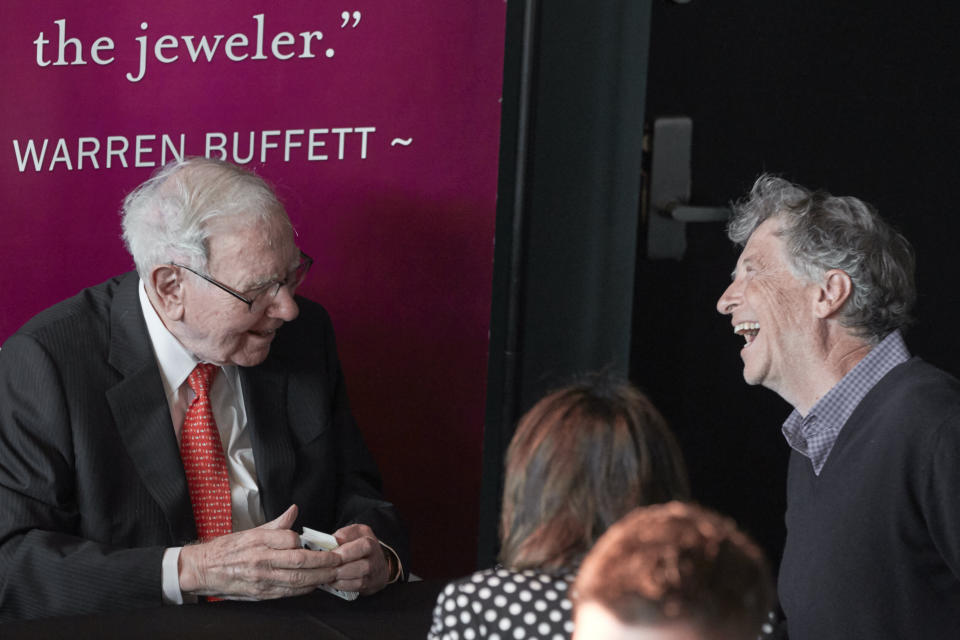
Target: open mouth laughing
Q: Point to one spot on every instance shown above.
(748, 330)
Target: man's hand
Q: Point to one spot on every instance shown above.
(258, 564)
(364, 566)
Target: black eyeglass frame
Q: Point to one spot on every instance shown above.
(305, 263)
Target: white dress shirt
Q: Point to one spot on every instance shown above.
(226, 400)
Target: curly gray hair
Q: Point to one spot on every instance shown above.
(170, 216)
(823, 232)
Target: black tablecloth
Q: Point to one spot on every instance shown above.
(398, 612)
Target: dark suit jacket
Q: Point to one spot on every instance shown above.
(92, 489)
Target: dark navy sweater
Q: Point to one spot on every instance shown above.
(873, 542)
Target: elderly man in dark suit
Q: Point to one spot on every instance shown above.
(165, 434)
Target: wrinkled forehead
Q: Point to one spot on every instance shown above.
(271, 225)
(249, 236)
(766, 240)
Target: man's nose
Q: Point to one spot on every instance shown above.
(284, 306)
(729, 300)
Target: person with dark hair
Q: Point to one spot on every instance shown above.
(165, 435)
(672, 571)
(821, 293)
(580, 459)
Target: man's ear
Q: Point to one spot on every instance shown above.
(836, 289)
(168, 291)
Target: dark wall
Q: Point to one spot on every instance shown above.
(859, 98)
(568, 196)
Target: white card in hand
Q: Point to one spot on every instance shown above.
(319, 541)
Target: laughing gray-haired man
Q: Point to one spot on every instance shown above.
(820, 294)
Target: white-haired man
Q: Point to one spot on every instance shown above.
(164, 435)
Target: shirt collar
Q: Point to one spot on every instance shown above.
(815, 434)
(174, 360)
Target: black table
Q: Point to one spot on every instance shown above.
(398, 612)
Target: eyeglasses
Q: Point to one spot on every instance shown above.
(268, 291)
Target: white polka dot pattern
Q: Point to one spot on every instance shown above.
(499, 603)
(203, 459)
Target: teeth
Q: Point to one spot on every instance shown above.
(743, 327)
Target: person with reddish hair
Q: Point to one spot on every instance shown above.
(580, 459)
(672, 571)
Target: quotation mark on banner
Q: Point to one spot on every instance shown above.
(345, 16)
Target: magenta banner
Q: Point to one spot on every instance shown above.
(377, 121)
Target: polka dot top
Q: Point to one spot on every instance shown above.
(500, 604)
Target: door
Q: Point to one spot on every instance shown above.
(858, 98)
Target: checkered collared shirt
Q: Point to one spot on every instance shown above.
(814, 435)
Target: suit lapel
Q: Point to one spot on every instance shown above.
(264, 397)
(142, 414)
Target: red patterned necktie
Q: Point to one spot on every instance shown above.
(203, 459)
